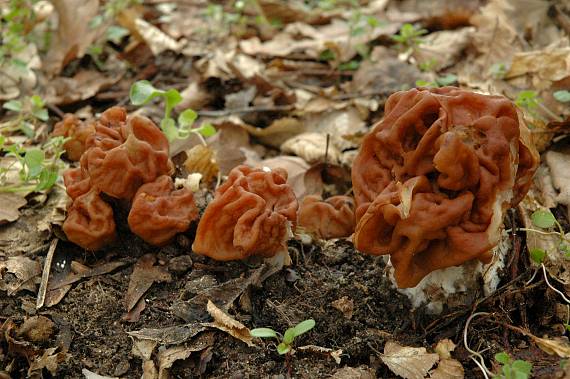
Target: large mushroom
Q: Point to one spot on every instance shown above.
(434, 178)
(330, 218)
(251, 214)
(159, 211)
(78, 132)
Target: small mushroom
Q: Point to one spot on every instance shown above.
(78, 132)
(89, 221)
(76, 182)
(434, 178)
(140, 159)
(331, 218)
(159, 211)
(251, 214)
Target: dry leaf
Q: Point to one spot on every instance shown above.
(226, 323)
(354, 373)
(91, 375)
(74, 33)
(17, 273)
(143, 276)
(556, 346)
(200, 159)
(345, 305)
(167, 357)
(312, 147)
(49, 360)
(17, 79)
(9, 205)
(558, 164)
(408, 362)
(444, 48)
(334, 354)
(156, 39)
(143, 348)
(447, 367)
(171, 335)
(82, 86)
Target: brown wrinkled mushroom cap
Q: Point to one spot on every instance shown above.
(331, 218)
(250, 215)
(159, 211)
(119, 171)
(89, 221)
(76, 182)
(77, 131)
(434, 178)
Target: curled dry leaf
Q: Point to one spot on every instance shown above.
(228, 324)
(408, 362)
(82, 86)
(50, 360)
(91, 375)
(345, 305)
(543, 66)
(556, 346)
(166, 358)
(312, 147)
(156, 39)
(9, 205)
(444, 47)
(558, 163)
(18, 273)
(200, 159)
(314, 349)
(447, 367)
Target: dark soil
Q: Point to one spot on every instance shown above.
(89, 318)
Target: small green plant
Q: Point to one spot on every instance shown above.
(143, 92)
(286, 340)
(28, 111)
(498, 70)
(562, 96)
(409, 36)
(428, 65)
(510, 369)
(38, 169)
(528, 99)
(544, 219)
(438, 82)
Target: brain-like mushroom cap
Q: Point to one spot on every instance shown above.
(89, 221)
(143, 156)
(78, 133)
(331, 218)
(434, 178)
(250, 215)
(159, 211)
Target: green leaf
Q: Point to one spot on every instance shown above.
(543, 219)
(283, 348)
(37, 102)
(27, 129)
(303, 327)
(206, 130)
(142, 92)
(349, 66)
(447, 80)
(187, 117)
(116, 33)
(33, 159)
(289, 336)
(537, 255)
(503, 358)
(263, 333)
(562, 96)
(522, 366)
(13, 105)
(48, 177)
(425, 83)
(169, 128)
(173, 98)
(41, 114)
(327, 55)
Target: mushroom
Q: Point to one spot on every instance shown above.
(141, 158)
(435, 177)
(331, 218)
(76, 182)
(159, 211)
(78, 132)
(89, 221)
(251, 214)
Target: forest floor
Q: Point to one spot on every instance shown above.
(295, 84)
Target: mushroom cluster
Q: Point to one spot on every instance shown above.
(330, 218)
(124, 157)
(433, 179)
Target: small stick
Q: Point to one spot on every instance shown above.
(45, 274)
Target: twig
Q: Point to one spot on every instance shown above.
(227, 112)
(481, 363)
(55, 109)
(45, 274)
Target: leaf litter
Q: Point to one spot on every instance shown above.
(286, 84)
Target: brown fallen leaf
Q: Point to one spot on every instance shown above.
(345, 305)
(50, 360)
(200, 159)
(354, 373)
(167, 357)
(91, 375)
(9, 205)
(447, 368)
(18, 273)
(142, 278)
(558, 163)
(312, 147)
(408, 362)
(228, 324)
(172, 335)
(74, 33)
(314, 349)
(543, 66)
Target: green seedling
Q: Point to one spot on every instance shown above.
(409, 36)
(142, 92)
(562, 96)
(428, 65)
(544, 219)
(286, 340)
(510, 369)
(438, 82)
(38, 168)
(28, 112)
(528, 100)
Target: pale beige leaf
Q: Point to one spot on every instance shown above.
(408, 362)
(156, 39)
(312, 147)
(555, 346)
(354, 373)
(144, 275)
(448, 369)
(228, 324)
(334, 354)
(24, 269)
(9, 205)
(200, 159)
(444, 348)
